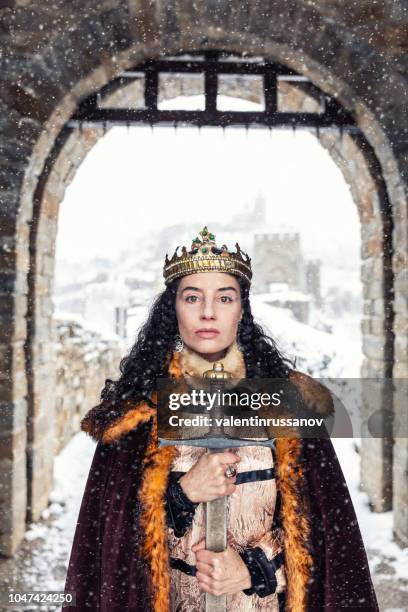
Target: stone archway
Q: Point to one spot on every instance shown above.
(42, 92)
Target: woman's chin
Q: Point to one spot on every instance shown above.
(208, 346)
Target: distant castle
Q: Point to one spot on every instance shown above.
(279, 264)
(278, 258)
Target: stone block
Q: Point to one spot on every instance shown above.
(373, 346)
(373, 289)
(376, 472)
(400, 495)
(13, 416)
(401, 349)
(372, 368)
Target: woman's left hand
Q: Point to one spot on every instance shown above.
(222, 573)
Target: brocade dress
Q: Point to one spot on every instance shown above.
(253, 529)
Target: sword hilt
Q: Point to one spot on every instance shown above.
(216, 510)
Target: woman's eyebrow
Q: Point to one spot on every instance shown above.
(191, 289)
(198, 289)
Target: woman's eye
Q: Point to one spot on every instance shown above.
(226, 298)
(191, 298)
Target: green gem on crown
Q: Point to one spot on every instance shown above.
(212, 236)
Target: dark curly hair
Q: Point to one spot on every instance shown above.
(150, 356)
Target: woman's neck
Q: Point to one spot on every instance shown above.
(213, 356)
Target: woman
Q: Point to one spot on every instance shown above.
(293, 539)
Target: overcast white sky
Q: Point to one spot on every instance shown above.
(140, 179)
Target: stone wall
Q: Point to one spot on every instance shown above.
(84, 360)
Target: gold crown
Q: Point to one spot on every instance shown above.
(206, 256)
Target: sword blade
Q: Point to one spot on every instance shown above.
(216, 541)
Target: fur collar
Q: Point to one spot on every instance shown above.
(187, 363)
(194, 365)
(157, 465)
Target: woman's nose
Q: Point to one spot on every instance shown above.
(208, 311)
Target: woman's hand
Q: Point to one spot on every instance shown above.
(206, 480)
(220, 573)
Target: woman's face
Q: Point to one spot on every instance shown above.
(208, 309)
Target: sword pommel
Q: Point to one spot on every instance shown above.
(217, 372)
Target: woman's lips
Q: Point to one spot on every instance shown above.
(208, 334)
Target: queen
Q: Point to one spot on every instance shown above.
(294, 543)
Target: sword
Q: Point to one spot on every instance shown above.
(216, 510)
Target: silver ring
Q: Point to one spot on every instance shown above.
(230, 471)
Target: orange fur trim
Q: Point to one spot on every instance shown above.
(174, 368)
(128, 421)
(157, 463)
(295, 524)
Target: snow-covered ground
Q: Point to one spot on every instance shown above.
(70, 472)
